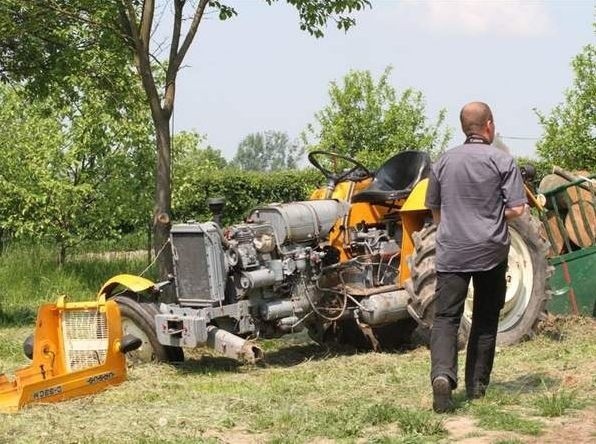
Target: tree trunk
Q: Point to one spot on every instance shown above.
(162, 209)
(62, 254)
(149, 242)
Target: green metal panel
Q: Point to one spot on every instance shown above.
(574, 283)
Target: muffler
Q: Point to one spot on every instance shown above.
(232, 346)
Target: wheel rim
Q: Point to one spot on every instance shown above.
(145, 352)
(520, 283)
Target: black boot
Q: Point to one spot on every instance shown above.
(442, 401)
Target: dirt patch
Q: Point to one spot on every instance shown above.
(580, 428)
(236, 436)
(463, 429)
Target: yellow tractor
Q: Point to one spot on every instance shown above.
(353, 264)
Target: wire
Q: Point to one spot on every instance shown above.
(155, 258)
(519, 137)
(318, 313)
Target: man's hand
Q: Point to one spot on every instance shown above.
(512, 213)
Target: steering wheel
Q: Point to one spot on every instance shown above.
(335, 176)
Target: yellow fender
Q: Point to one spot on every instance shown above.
(134, 283)
(413, 214)
(415, 201)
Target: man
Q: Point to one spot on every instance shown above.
(473, 190)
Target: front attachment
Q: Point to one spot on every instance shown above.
(78, 350)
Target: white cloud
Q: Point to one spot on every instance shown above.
(518, 18)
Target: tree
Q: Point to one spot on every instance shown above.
(367, 120)
(191, 157)
(267, 151)
(569, 138)
(44, 39)
(74, 173)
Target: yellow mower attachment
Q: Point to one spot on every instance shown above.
(78, 349)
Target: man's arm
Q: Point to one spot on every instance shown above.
(433, 196)
(511, 213)
(514, 193)
(437, 215)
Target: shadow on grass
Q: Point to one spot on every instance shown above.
(17, 316)
(527, 384)
(282, 357)
(209, 364)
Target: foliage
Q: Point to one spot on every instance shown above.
(42, 42)
(314, 14)
(191, 157)
(542, 167)
(71, 173)
(368, 120)
(243, 190)
(267, 151)
(569, 139)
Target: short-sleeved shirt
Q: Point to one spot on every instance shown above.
(472, 185)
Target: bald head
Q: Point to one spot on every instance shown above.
(477, 118)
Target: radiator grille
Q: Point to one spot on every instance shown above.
(85, 335)
(199, 264)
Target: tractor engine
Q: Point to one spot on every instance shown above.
(276, 273)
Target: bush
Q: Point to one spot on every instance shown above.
(242, 190)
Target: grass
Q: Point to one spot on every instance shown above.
(556, 403)
(493, 418)
(30, 275)
(302, 392)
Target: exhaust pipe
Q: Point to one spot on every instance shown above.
(384, 308)
(233, 346)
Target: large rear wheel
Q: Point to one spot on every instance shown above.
(527, 278)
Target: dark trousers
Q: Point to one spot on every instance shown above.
(489, 297)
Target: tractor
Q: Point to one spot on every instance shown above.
(354, 265)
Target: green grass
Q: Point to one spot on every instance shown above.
(492, 417)
(301, 393)
(555, 403)
(30, 275)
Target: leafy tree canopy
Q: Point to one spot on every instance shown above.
(267, 151)
(44, 42)
(73, 173)
(569, 138)
(191, 156)
(370, 121)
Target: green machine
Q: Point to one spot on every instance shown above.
(569, 219)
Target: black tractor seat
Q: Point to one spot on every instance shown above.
(396, 178)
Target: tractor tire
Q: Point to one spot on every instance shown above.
(138, 320)
(528, 272)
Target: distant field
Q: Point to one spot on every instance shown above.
(543, 391)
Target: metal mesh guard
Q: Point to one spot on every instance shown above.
(85, 335)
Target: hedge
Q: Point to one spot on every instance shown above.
(242, 190)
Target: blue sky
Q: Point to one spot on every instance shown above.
(258, 71)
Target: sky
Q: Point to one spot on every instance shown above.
(258, 71)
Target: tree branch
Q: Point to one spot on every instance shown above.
(170, 86)
(190, 35)
(142, 62)
(147, 21)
